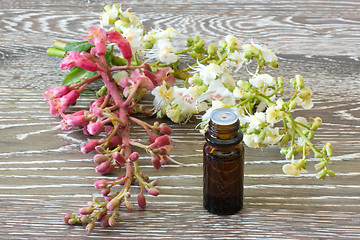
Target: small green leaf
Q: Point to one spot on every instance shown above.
(76, 75)
(78, 46)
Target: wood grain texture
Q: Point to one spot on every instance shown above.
(43, 174)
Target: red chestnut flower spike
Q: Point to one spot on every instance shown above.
(111, 113)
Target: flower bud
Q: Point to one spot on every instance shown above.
(154, 183)
(100, 149)
(67, 217)
(100, 158)
(320, 165)
(109, 197)
(102, 183)
(127, 194)
(141, 201)
(94, 128)
(299, 81)
(322, 174)
(105, 221)
(331, 173)
(112, 221)
(134, 156)
(292, 105)
(85, 210)
(128, 205)
(85, 219)
(72, 221)
(329, 149)
(56, 92)
(119, 158)
(115, 141)
(105, 192)
(90, 226)
(163, 140)
(199, 47)
(89, 147)
(300, 164)
(114, 203)
(165, 129)
(153, 191)
(105, 168)
(316, 124)
(156, 162)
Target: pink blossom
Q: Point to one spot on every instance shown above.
(97, 103)
(115, 141)
(124, 45)
(133, 156)
(165, 129)
(119, 158)
(105, 168)
(163, 140)
(86, 64)
(90, 146)
(74, 119)
(59, 105)
(156, 162)
(97, 37)
(95, 128)
(141, 200)
(163, 75)
(76, 59)
(99, 184)
(56, 92)
(70, 60)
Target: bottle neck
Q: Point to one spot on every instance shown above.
(223, 131)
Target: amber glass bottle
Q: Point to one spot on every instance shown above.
(223, 164)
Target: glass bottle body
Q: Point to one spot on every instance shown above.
(223, 167)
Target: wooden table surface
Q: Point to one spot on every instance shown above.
(43, 174)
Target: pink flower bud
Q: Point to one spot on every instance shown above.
(90, 227)
(67, 217)
(105, 168)
(153, 191)
(154, 183)
(162, 151)
(156, 162)
(165, 129)
(70, 98)
(85, 219)
(119, 158)
(105, 221)
(95, 128)
(115, 141)
(72, 221)
(89, 147)
(109, 197)
(112, 221)
(56, 92)
(71, 120)
(85, 210)
(105, 192)
(100, 158)
(134, 156)
(98, 112)
(163, 140)
(127, 194)
(100, 46)
(114, 203)
(86, 64)
(141, 200)
(99, 149)
(128, 205)
(102, 183)
(124, 46)
(97, 103)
